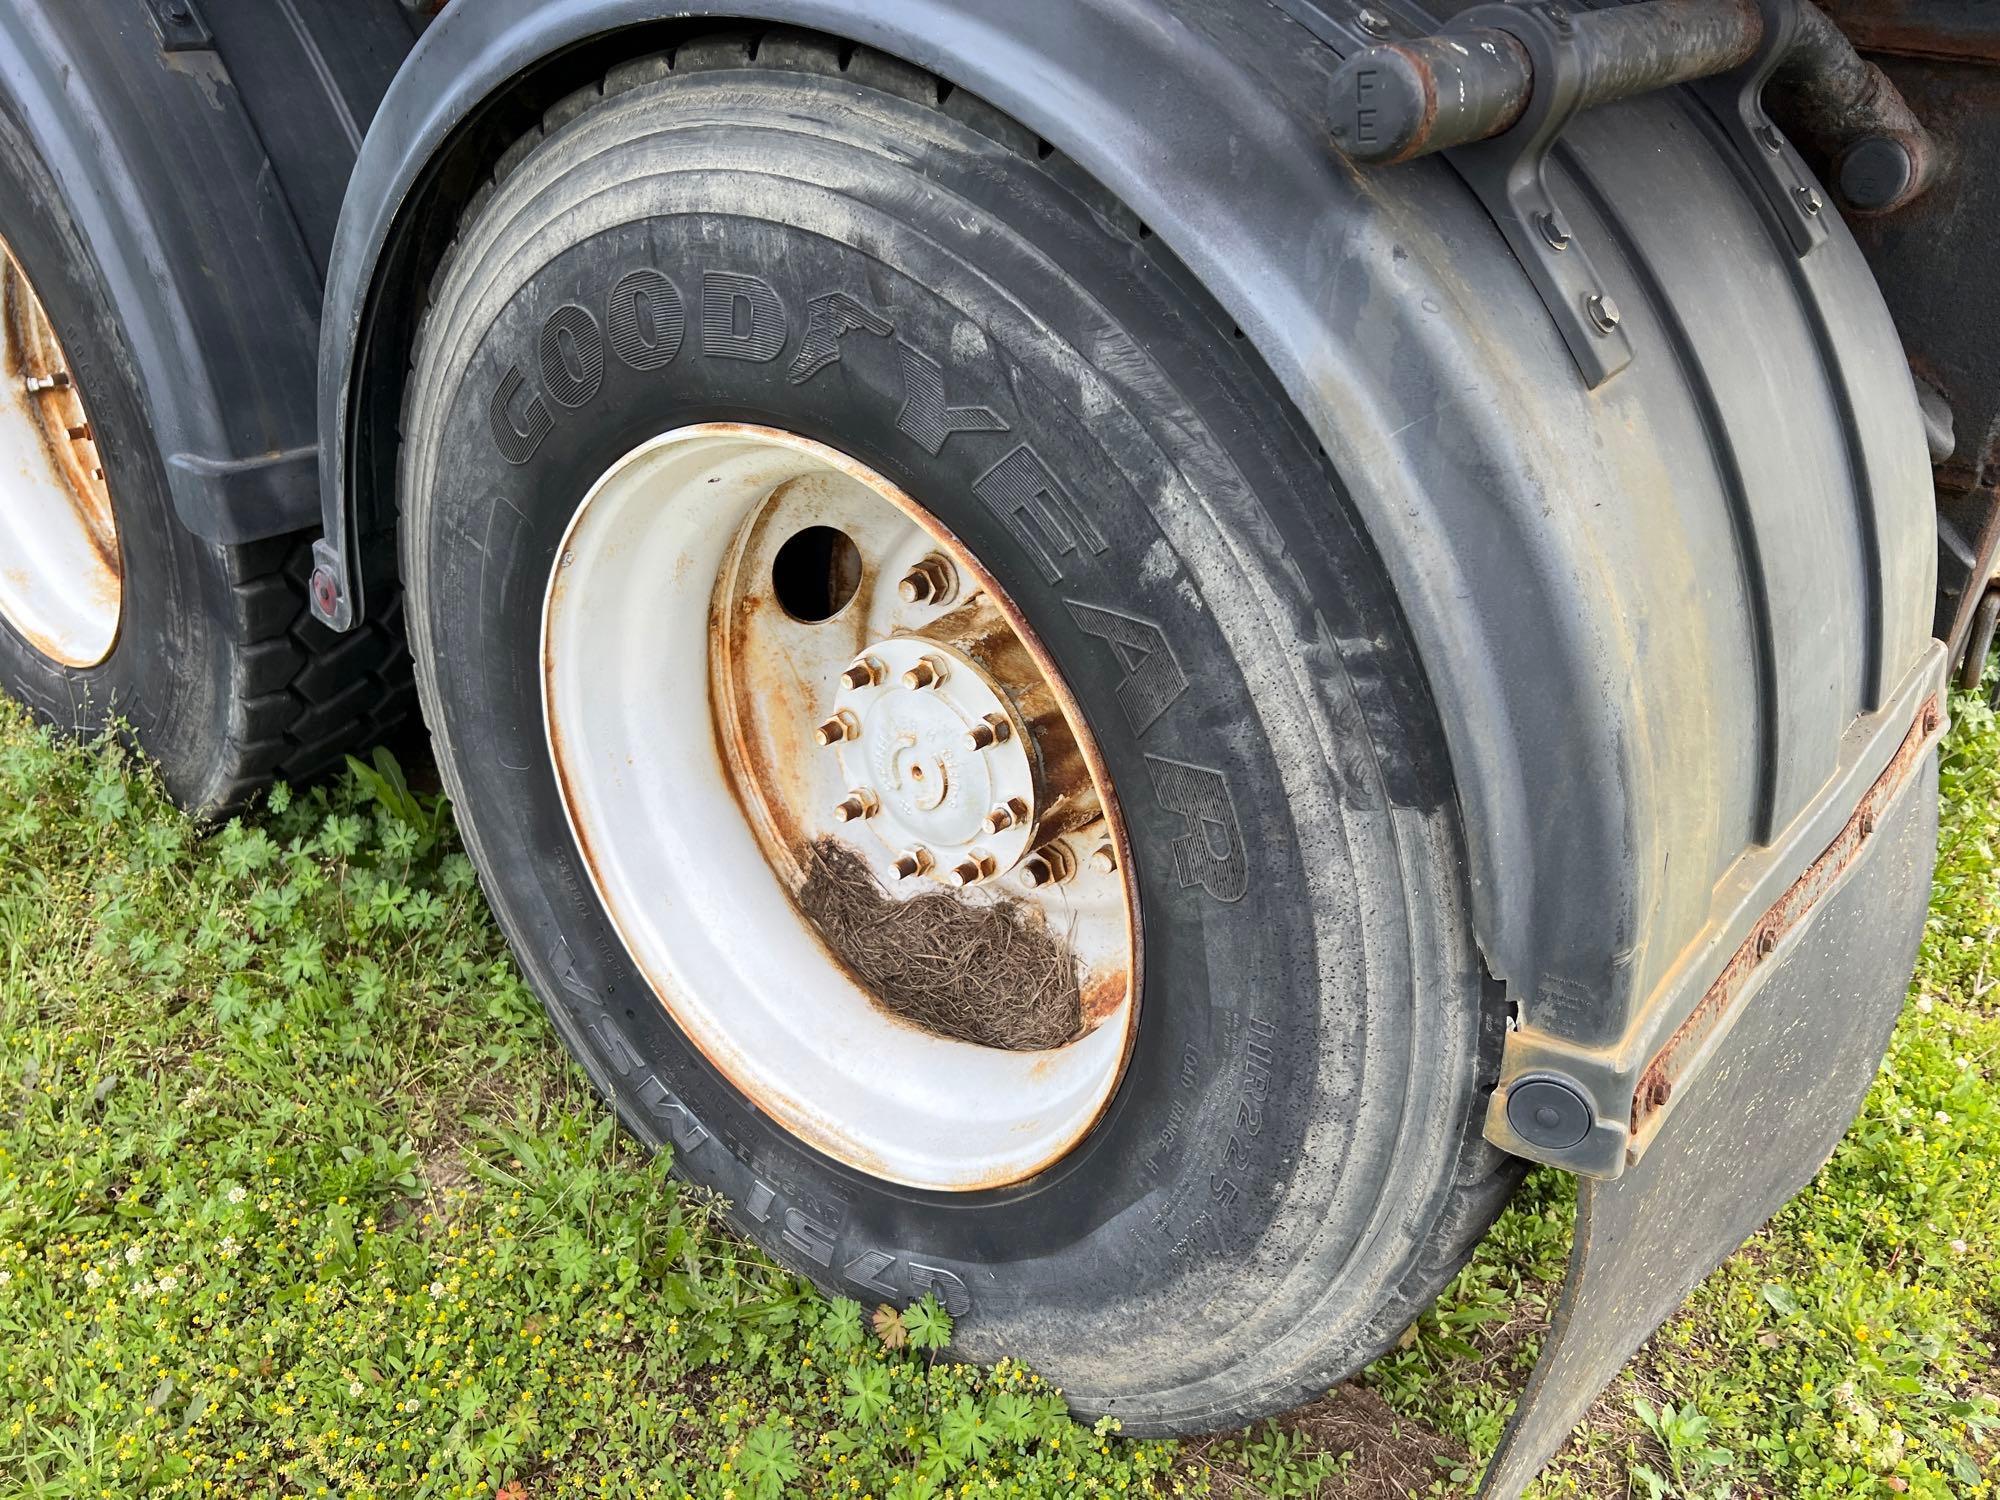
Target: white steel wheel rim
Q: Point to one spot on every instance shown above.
(61, 586)
(691, 888)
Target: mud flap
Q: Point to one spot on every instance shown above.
(1756, 1124)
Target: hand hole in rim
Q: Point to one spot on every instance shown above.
(816, 573)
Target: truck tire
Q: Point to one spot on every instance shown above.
(786, 285)
(112, 612)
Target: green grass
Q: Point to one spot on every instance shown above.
(300, 1197)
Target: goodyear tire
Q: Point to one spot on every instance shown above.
(1291, 1165)
(207, 652)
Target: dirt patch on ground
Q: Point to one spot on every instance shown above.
(994, 975)
(1392, 1455)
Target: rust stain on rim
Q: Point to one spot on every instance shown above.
(1681, 1050)
(1101, 998)
(40, 379)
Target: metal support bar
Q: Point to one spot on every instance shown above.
(1473, 81)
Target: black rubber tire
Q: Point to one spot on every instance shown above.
(1293, 1164)
(223, 676)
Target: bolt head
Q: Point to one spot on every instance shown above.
(1808, 200)
(841, 727)
(325, 592)
(974, 868)
(927, 673)
(1552, 231)
(990, 730)
(930, 581)
(1603, 311)
(1104, 860)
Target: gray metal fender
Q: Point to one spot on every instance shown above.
(1671, 623)
(171, 190)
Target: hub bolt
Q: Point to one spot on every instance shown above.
(927, 673)
(932, 581)
(1005, 815)
(975, 867)
(1049, 865)
(857, 804)
(990, 730)
(911, 862)
(864, 673)
(56, 382)
(1104, 860)
(80, 433)
(842, 726)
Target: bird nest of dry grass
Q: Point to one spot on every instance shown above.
(991, 974)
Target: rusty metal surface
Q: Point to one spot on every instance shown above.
(1711, 1019)
(760, 708)
(767, 699)
(38, 379)
(1958, 30)
(35, 364)
(1837, 100)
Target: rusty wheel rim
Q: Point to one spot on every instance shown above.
(842, 809)
(61, 579)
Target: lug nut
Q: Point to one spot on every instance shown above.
(56, 382)
(928, 672)
(1104, 860)
(864, 673)
(911, 863)
(1005, 815)
(932, 581)
(990, 730)
(80, 433)
(842, 726)
(1048, 865)
(857, 804)
(975, 867)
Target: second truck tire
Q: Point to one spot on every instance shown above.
(207, 652)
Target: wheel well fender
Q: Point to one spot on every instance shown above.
(168, 185)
